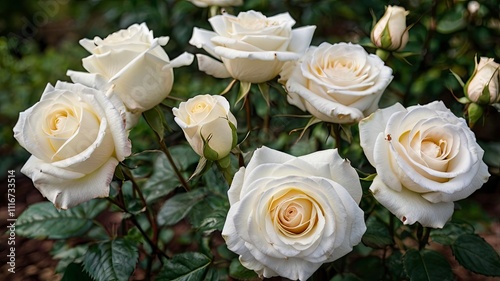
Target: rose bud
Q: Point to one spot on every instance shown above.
(390, 32)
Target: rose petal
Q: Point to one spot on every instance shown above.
(410, 207)
(201, 38)
(301, 38)
(65, 189)
(371, 126)
(212, 67)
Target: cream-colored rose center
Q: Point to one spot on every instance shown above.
(434, 149)
(200, 107)
(69, 129)
(294, 213)
(62, 124)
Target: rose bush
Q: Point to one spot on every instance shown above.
(251, 46)
(339, 83)
(289, 214)
(390, 32)
(425, 158)
(134, 62)
(76, 136)
(208, 125)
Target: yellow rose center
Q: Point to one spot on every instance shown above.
(293, 213)
(200, 107)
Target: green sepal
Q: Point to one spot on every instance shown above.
(201, 168)
(264, 90)
(225, 162)
(370, 177)
(244, 90)
(474, 113)
(234, 134)
(208, 152)
(382, 54)
(229, 87)
(464, 100)
(386, 40)
(484, 98)
(459, 79)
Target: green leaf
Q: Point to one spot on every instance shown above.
(368, 268)
(212, 275)
(75, 272)
(452, 21)
(43, 220)
(377, 234)
(68, 254)
(451, 231)
(177, 207)
(475, 254)
(345, 277)
(111, 260)
(238, 271)
(155, 119)
(164, 180)
(184, 267)
(394, 264)
(426, 265)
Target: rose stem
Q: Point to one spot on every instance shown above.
(150, 215)
(165, 150)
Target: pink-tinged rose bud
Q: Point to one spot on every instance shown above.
(484, 84)
(390, 32)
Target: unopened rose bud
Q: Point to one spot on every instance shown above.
(390, 32)
(484, 84)
(208, 124)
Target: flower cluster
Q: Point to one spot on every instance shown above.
(288, 215)
(78, 132)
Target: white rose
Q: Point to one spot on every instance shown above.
(484, 85)
(252, 47)
(220, 3)
(339, 83)
(76, 136)
(289, 215)
(208, 124)
(425, 158)
(134, 62)
(390, 32)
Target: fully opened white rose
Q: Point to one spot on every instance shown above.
(76, 136)
(208, 124)
(425, 158)
(251, 46)
(289, 215)
(339, 83)
(134, 62)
